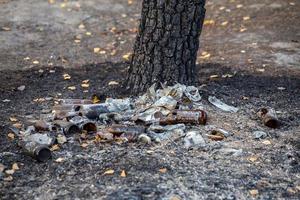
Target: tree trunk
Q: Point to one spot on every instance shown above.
(167, 42)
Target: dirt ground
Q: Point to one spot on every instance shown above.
(258, 42)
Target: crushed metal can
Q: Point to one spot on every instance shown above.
(185, 117)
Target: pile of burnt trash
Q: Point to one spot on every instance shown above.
(151, 118)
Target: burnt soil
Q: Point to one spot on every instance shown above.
(191, 174)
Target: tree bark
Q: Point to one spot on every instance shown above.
(167, 42)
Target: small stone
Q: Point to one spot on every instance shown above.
(21, 88)
(2, 167)
(259, 134)
(194, 139)
(61, 139)
(143, 138)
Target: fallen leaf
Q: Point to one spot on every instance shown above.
(88, 33)
(85, 85)
(246, 18)
(66, 76)
(59, 160)
(81, 26)
(209, 22)
(77, 41)
(18, 125)
(127, 56)
(51, 1)
(85, 81)
(252, 158)
(6, 28)
(291, 190)
(36, 62)
(26, 58)
(9, 178)
(224, 23)
(253, 192)
(15, 166)
(54, 147)
(204, 55)
(214, 76)
(260, 70)
(163, 170)
(243, 30)
(13, 119)
(239, 6)
(113, 83)
(10, 171)
(123, 173)
(109, 172)
(2, 167)
(11, 136)
(298, 187)
(266, 142)
(97, 49)
(62, 5)
(84, 145)
(130, 2)
(71, 88)
(113, 52)
(95, 99)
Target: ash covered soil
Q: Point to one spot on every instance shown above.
(264, 62)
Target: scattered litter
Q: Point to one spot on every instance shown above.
(193, 139)
(269, 117)
(219, 104)
(260, 134)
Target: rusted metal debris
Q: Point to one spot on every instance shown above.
(268, 117)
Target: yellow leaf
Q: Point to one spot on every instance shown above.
(266, 142)
(59, 160)
(253, 158)
(123, 173)
(253, 192)
(163, 170)
(95, 99)
(97, 49)
(15, 166)
(204, 55)
(11, 136)
(109, 172)
(88, 33)
(54, 147)
(67, 77)
(113, 52)
(71, 88)
(85, 85)
(214, 76)
(13, 119)
(209, 22)
(127, 56)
